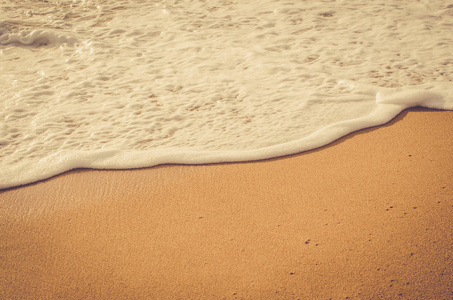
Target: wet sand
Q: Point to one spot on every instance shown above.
(369, 216)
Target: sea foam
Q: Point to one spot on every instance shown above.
(129, 84)
(37, 38)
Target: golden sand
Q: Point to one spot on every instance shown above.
(370, 216)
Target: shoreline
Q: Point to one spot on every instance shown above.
(369, 215)
(397, 118)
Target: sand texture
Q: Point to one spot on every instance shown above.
(368, 217)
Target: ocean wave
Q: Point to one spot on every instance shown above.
(184, 82)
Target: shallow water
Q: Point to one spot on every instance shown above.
(125, 84)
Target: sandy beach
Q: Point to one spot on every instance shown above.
(367, 217)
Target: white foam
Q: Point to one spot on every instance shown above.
(128, 84)
(441, 99)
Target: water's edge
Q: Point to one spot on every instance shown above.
(176, 157)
